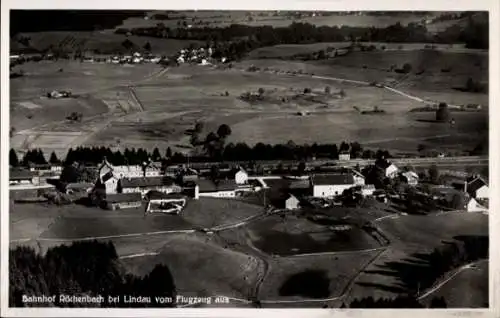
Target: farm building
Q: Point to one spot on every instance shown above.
(239, 175)
(473, 206)
(477, 187)
(80, 187)
(367, 190)
(152, 169)
(187, 174)
(144, 185)
(165, 203)
(45, 168)
(390, 170)
(331, 185)
(359, 178)
(217, 189)
(410, 177)
(119, 172)
(291, 203)
(344, 155)
(120, 201)
(22, 177)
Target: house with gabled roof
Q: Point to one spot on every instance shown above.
(331, 185)
(143, 185)
(477, 187)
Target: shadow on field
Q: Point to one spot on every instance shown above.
(421, 271)
(310, 284)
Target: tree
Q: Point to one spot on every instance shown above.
(13, 159)
(156, 154)
(407, 68)
(261, 91)
(198, 127)
(421, 147)
(302, 167)
(214, 172)
(127, 44)
(223, 131)
(147, 47)
(433, 174)
(53, 158)
(328, 90)
(168, 153)
(307, 90)
(442, 113)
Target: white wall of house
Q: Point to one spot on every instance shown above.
(125, 205)
(474, 206)
(391, 171)
(241, 177)
(367, 191)
(144, 190)
(111, 185)
(219, 194)
(292, 203)
(483, 192)
(344, 156)
(323, 191)
(358, 180)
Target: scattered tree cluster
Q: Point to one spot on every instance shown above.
(82, 269)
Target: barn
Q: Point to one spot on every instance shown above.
(331, 185)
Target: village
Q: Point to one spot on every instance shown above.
(166, 189)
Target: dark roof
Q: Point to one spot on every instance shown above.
(331, 179)
(123, 197)
(79, 185)
(146, 182)
(475, 184)
(206, 185)
(157, 195)
(382, 163)
(20, 174)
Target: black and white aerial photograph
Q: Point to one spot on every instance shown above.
(248, 159)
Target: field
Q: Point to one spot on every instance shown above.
(259, 18)
(296, 235)
(411, 235)
(161, 104)
(106, 42)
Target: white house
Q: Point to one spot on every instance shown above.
(291, 203)
(331, 185)
(391, 171)
(474, 206)
(477, 187)
(219, 189)
(119, 172)
(344, 155)
(241, 176)
(144, 185)
(411, 177)
(359, 178)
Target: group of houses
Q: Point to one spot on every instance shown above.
(119, 187)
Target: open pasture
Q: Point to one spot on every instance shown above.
(104, 42)
(201, 267)
(202, 18)
(294, 235)
(281, 282)
(211, 212)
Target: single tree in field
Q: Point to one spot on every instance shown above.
(147, 47)
(261, 91)
(302, 167)
(458, 201)
(407, 68)
(420, 147)
(442, 113)
(224, 131)
(328, 90)
(13, 159)
(198, 127)
(53, 158)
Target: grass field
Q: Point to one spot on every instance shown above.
(201, 267)
(297, 235)
(105, 41)
(417, 234)
(259, 18)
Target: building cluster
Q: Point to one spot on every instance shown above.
(119, 187)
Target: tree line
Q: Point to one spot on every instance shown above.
(215, 150)
(236, 40)
(80, 269)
